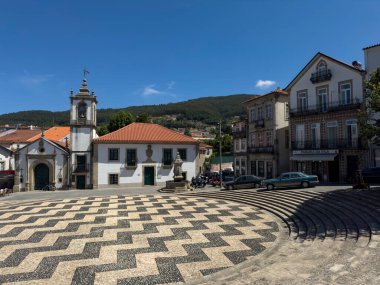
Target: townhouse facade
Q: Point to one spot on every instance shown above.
(324, 103)
(268, 134)
(239, 133)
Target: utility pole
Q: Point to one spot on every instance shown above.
(220, 153)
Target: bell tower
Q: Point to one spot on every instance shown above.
(82, 132)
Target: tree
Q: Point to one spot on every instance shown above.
(369, 118)
(119, 120)
(187, 132)
(102, 130)
(143, 118)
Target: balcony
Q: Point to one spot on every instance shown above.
(325, 108)
(239, 134)
(320, 76)
(261, 149)
(328, 144)
(259, 123)
(81, 167)
(81, 122)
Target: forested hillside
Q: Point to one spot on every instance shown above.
(207, 110)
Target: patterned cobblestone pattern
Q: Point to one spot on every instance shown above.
(128, 239)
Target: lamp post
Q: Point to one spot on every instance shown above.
(220, 153)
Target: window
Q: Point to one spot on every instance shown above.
(286, 111)
(315, 135)
(243, 145)
(261, 168)
(82, 110)
(252, 115)
(81, 163)
(113, 154)
(268, 111)
(352, 133)
(237, 145)
(300, 136)
(167, 156)
(252, 139)
(332, 134)
(322, 99)
(243, 163)
(260, 139)
(253, 167)
(302, 101)
(260, 113)
(113, 179)
(269, 138)
(2, 165)
(345, 93)
(269, 170)
(182, 153)
(322, 67)
(131, 157)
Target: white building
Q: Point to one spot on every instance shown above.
(142, 154)
(325, 99)
(5, 159)
(41, 163)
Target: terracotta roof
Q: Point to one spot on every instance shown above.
(54, 134)
(371, 46)
(203, 145)
(19, 136)
(277, 91)
(145, 133)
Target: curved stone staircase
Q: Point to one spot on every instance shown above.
(333, 237)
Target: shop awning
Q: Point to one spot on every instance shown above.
(314, 157)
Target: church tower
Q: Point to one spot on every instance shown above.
(82, 132)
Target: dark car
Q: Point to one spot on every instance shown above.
(371, 175)
(244, 181)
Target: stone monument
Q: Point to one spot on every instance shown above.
(179, 184)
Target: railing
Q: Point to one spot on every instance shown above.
(81, 122)
(326, 107)
(81, 167)
(259, 123)
(321, 76)
(328, 144)
(240, 133)
(261, 149)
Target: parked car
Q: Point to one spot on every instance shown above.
(244, 181)
(291, 179)
(371, 175)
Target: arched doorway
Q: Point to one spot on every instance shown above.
(41, 176)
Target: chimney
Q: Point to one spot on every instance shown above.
(357, 65)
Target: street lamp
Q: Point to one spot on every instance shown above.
(220, 153)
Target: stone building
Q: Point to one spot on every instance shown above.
(268, 135)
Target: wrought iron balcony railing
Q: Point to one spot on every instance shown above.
(261, 149)
(353, 143)
(240, 133)
(320, 76)
(326, 107)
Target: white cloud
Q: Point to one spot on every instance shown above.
(171, 85)
(151, 90)
(264, 84)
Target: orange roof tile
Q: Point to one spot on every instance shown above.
(19, 136)
(145, 133)
(54, 133)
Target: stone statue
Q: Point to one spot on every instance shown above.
(178, 168)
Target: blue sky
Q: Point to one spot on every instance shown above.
(159, 51)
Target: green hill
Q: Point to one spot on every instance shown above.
(206, 110)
